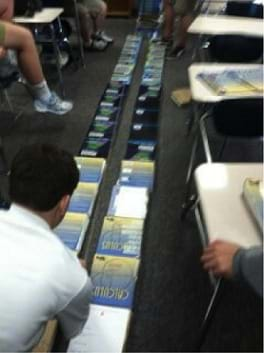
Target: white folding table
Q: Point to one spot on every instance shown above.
(221, 213)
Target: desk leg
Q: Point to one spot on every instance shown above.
(57, 57)
(211, 310)
(78, 29)
(3, 164)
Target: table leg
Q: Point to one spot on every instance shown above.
(57, 57)
(210, 312)
(78, 29)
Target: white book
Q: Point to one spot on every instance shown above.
(105, 331)
(127, 201)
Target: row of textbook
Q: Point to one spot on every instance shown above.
(102, 131)
(91, 161)
(116, 261)
(144, 130)
(74, 225)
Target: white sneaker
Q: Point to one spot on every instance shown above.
(96, 45)
(54, 105)
(101, 35)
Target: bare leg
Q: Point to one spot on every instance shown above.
(168, 19)
(183, 27)
(21, 40)
(85, 23)
(100, 18)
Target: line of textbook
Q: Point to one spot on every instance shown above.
(117, 259)
(95, 148)
(101, 134)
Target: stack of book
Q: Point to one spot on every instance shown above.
(248, 81)
(74, 225)
(98, 141)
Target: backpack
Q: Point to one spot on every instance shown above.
(27, 7)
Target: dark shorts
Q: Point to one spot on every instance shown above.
(2, 33)
(184, 7)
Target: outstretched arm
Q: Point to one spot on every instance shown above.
(230, 260)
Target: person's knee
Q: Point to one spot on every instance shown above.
(26, 36)
(103, 7)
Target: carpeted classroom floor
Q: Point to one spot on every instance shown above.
(172, 290)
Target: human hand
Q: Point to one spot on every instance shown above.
(83, 263)
(218, 258)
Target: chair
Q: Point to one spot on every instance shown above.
(244, 9)
(232, 118)
(234, 48)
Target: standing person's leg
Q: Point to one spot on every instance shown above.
(98, 12)
(183, 9)
(168, 24)
(20, 39)
(86, 25)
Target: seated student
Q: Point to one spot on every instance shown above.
(232, 261)
(20, 39)
(95, 10)
(40, 278)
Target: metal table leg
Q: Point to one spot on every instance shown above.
(57, 57)
(78, 29)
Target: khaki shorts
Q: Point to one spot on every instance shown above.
(2, 33)
(184, 7)
(93, 6)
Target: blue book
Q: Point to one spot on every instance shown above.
(83, 198)
(114, 280)
(95, 147)
(144, 132)
(121, 236)
(139, 150)
(90, 169)
(136, 173)
(72, 230)
(102, 129)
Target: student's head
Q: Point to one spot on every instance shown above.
(42, 176)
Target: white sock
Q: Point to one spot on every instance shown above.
(41, 91)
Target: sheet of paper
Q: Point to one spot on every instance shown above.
(105, 331)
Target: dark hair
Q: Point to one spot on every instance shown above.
(40, 175)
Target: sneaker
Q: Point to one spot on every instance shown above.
(54, 105)
(102, 36)
(176, 52)
(96, 45)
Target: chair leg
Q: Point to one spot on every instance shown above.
(205, 141)
(8, 100)
(221, 152)
(3, 164)
(189, 201)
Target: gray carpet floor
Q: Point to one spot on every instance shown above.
(172, 290)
